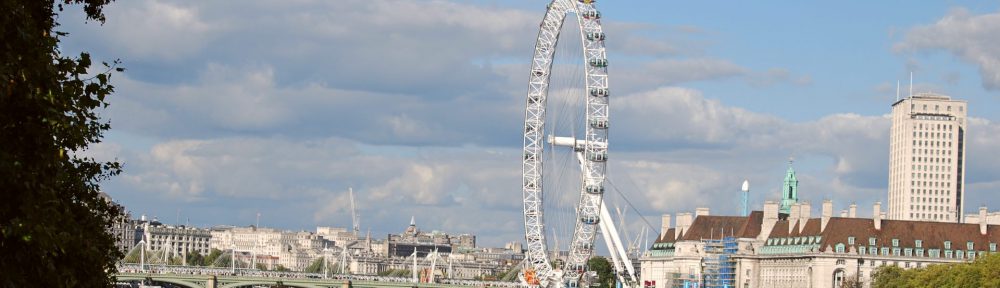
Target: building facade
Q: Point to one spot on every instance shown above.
(293, 250)
(927, 159)
(764, 250)
(177, 241)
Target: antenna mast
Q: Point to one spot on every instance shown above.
(911, 85)
(897, 90)
(354, 213)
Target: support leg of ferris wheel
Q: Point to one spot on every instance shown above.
(622, 263)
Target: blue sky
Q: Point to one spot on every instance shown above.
(277, 108)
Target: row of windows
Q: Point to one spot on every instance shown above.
(921, 159)
(928, 199)
(931, 192)
(927, 143)
(933, 176)
(929, 216)
(933, 135)
(970, 245)
(938, 208)
(937, 108)
(930, 184)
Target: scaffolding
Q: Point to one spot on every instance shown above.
(718, 265)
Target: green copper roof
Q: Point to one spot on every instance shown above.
(789, 191)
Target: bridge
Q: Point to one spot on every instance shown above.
(213, 277)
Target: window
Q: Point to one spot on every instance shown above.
(993, 247)
(850, 240)
(871, 241)
(970, 246)
(947, 254)
(895, 242)
(885, 251)
(908, 252)
(947, 245)
(839, 248)
(861, 250)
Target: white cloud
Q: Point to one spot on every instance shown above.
(971, 38)
(158, 29)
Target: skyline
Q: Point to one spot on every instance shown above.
(222, 113)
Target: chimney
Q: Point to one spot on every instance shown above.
(701, 211)
(664, 225)
(877, 215)
(683, 223)
(843, 213)
(770, 217)
(804, 214)
(853, 211)
(982, 220)
(826, 213)
(793, 215)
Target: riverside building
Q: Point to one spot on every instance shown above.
(927, 159)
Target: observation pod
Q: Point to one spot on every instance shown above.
(599, 123)
(599, 92)
(591, 14)
(600, 63)
(600, 156)
(538, 73)
(595, 189)
(598, 36)
(592, 219)
(586, 246)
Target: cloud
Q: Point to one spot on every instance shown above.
(419, 107)
(968, 37)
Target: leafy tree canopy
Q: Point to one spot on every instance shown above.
(984, 272)
(53, 221)
(605, 273)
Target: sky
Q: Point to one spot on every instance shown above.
(228, 110)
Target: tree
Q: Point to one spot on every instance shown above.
(194, 258)
(316, 266)
(605, 273)
(53, 220)
(212, 256)
(984, 272)
(851, 282)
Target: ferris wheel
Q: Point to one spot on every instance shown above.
(591, 152)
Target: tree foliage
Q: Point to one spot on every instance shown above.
(984, 272)
(605, 273)
(52, 219)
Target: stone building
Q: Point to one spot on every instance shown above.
(764, 250)
(294, 250)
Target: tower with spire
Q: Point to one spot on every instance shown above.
(789, 191)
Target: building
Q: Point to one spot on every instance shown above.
(927, 159)
(789, 191)
(991, 218)
(412, 240)
(293, 250)
(124, 229)
(177, 241)
(763, 250)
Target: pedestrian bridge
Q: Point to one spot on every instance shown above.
(206, 277)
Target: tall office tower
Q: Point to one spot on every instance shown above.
(927, 158)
